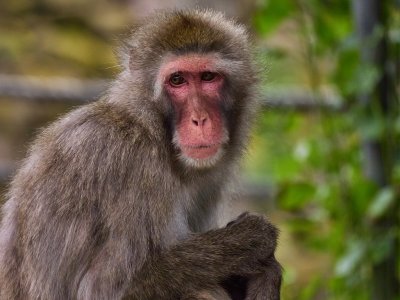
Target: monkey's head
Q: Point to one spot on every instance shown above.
(196, 66)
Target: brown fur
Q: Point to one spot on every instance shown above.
(102, 209)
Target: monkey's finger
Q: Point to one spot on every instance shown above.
(238, 219)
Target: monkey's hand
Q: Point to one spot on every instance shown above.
(204, 260)
(251, 241)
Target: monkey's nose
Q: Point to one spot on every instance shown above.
(199, 121)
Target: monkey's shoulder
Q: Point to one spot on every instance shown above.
(97, 121)
(87, 152)
(97, 131)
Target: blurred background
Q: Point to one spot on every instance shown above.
(324, 159)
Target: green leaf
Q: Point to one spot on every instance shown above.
(396, 173)
(345, 72)
(361, 190)
(372, 128)
(397, 125)
(332, 23)
(381, 203)
(271, 14)
(367, 78)
(301, 227)
(383, 246)
(294, 196)
(352, 258)
(302, 151)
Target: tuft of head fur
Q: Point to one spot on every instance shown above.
(183, 31)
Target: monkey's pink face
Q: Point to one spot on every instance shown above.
(194, 88)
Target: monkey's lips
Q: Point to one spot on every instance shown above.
(200, 151)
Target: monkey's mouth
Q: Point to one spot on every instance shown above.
(200, 151)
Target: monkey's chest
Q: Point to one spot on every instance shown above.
(192, 214)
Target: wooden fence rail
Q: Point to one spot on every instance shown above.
(38, 89)
(28, 88)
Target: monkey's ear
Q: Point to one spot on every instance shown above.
(126, 53)
(127, 63)
(122, 53)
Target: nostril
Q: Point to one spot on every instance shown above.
(199, 121)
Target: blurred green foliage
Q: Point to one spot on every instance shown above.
(316, 162)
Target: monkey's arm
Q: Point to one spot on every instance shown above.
(204, 260)
(108, 173)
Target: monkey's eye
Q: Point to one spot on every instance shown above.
(177, 79)
(208, 76)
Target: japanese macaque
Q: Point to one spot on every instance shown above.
(118, 199)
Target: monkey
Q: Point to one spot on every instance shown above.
(119, 198)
